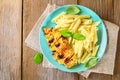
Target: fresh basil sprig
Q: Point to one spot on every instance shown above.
(73, 10)
(66, 33)
(38, 58)
(91, 62)
(76, 36)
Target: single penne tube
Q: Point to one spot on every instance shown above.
(84, 55)
(80, 49)
(76, 26)
(69, 40)
(58, 21)
(77, 17)
(80, 53)
(81, 27)
(86, 21)
(73, 41)
(57, 26)
(63, 21)
(92, 32)
(86, 44)
(83, 61)
(91, 46)
(71, 26)
(83, 31)
(79, 61)
(75, 48)
(95, 23)
(84, 16)
(65, 25)
(67, 21)
(95, 37)
(68, 16)
(95, 49)
(57, 17)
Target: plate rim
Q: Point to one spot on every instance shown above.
(104, 27)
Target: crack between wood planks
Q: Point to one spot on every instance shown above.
(22, 39)
(77, 1)
(113, 10)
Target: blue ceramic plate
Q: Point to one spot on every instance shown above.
(102, 37)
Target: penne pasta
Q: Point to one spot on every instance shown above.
(76, 26)
(84, 16)
(69, 16)
(86, 21)
(58, 17)
(84, 56)
(72, 25)
(83, 25)
(95, 50)
(84, 60)
(66, 21)
(80, 49)
(95, 37)
(70, 40)
(95, 24)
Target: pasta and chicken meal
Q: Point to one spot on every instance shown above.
(74, 39)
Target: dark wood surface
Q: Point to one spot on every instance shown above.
(17, 18)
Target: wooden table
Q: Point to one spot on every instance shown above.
(17, 18)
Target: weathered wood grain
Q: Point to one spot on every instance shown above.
(81, 77)
(103, 8)
(63, 2)
(97, 76)
(116, 75)
(10, 39)
(32, 10)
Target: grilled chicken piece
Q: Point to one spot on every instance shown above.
(51, 35)
(62, 51)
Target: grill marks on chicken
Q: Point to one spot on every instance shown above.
(61, 50)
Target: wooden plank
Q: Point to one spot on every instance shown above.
(116, 75)
(81, 77)
(10, 39)
(32, 10)
(103, 8)
(105, 11)
(97, 76)
(63, 2)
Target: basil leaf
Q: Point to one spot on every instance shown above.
(38, 58)
(72, 10)
(78, 36)
(91, 62)
(66, 33)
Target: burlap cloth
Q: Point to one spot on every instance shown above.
(106, 65)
